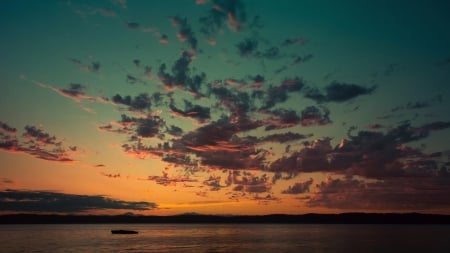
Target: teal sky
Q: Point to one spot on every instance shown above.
(242, 107)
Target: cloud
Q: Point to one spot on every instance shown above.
(338, 92)
(292, 41)
(282, 118)
(315, 116)
(197, 112)
(249, 182)
(412, 105)
(279, 94)
(7, 129)
(35, 142)
(247, 47)
(180, 76)
(55, 202)
(141, 102)
(185, 32)
(418, 194)
(93, 66)
(299, 187)
(35, 134)
(75, 92)
(285, 137)
(370, 154)
(232, 13)
(237, 102)
(132, 25)
(145, 127)
(149, 127)
(313, 157)
(110, 175)
(175, 131)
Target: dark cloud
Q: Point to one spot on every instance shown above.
(185, 32)
(168, 180)
(418, 194)
(35, 134)
(175, 131)
(294, 84)
(285, 137)
(200, 113)
(92, 67)
(271, 53)
(412, 105)
(247, 47)
(313, 157)
(249, 182)
(384, 155)
(258, 80)
(213, 182)
(146, 127)
(282, 118)
(315, 116)
(132, 25)
(218, 146)
(237, 102)
(302, 59)
(232, 13)
(293, 41)
(180, 77)
(5, 127)
(41, 145)
(149, 127)
(74, 90)
(55, 202)
(139, 103)
(132, 79)
(110, 175)
(279, 94)
(299, 187)
(338, 92)
(164, 39)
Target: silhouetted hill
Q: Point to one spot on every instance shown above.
(344, 218)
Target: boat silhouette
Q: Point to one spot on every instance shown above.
(123, 231)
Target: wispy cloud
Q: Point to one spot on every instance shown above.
(35, 142)
(56, 202)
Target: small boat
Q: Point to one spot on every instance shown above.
(122, 231)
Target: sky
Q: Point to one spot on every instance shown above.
(224, 107)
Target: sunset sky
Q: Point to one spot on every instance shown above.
(224, 106)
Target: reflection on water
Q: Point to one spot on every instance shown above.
(225, 238)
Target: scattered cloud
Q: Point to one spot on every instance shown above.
(299, 187)
(35, 142)
(418, 194)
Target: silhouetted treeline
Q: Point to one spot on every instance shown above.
(344, 218)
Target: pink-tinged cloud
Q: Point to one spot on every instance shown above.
(37, 143)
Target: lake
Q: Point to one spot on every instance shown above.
(258, 238)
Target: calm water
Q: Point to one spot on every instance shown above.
(225, 238)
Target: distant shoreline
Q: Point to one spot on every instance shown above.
(343, 218)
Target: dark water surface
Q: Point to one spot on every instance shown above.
(256, 238)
